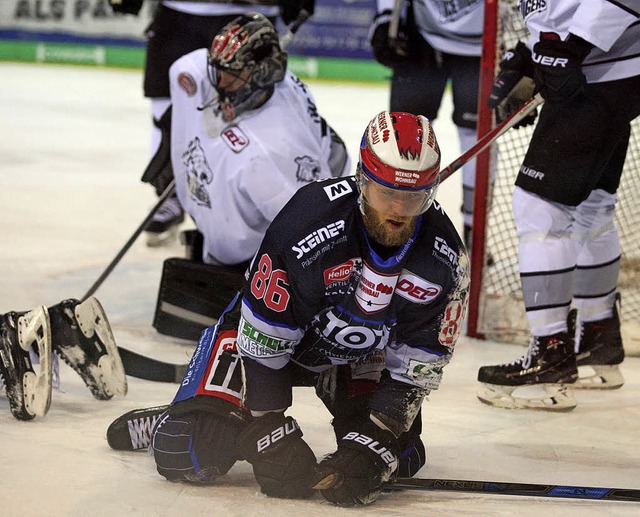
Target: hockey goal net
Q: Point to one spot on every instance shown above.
(496, 308)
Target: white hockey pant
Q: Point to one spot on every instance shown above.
(566, 253)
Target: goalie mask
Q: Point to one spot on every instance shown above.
(399, 167)
(245, 61)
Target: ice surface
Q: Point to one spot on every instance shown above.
(73, 144)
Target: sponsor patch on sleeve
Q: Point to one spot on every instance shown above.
(187, 83)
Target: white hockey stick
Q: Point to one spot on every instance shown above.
(394, 24)
(491, 136)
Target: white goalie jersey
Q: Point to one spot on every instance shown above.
(234, 177)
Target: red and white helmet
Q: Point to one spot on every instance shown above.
(399, 151)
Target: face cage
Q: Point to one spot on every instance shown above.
(395, 201)
(237, 97)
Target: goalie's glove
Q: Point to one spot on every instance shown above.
(366, 458)
(126, 6)
(283, 464)
(388, 53)
(514, 85)
(558, 66)
(290, 9)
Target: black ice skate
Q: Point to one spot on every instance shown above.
(82, 337)
(28, 389)
(163, 228)
(548, 363)
(133, 431)
(599, 352)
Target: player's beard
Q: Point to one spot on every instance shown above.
(385, 229)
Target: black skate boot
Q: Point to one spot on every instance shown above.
(548, 363)
(599, 352)
(28, 389)
(163, 227)
(82, 337)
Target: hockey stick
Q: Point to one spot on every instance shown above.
(135, 364)
(394, 24)
(491, 136)
(509, 488)
(147, 368)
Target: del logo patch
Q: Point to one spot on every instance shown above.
(374, 291)
(416, 289)
(187, 83)
(235, 138)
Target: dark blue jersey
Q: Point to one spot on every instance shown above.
(319, 293)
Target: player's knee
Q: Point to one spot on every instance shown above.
(195, 447)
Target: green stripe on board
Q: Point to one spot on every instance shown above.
(132, 57)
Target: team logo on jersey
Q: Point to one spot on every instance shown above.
(342, 188)
(531, 6)
(235, 138)
(199, 174)
(308, 169)
(374, 290)
(417, 289)
(453, 10)
(187, 83)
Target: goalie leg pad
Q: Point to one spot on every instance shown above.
(28, 390)
(193, 295)
(82, 337)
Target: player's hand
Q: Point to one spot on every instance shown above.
(290, 9)
(388, 53)
(354, 474)
(513, 86)
(283, 464)
(558, 66)
(126, 6)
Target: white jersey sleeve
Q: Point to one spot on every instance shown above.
(233, 178)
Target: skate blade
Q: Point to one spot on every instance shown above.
(545, 397)
(34, 329)
(92, 319)
(157, 240)
(599, 377)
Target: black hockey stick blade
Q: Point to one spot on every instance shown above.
(508, 488)
(150, 369)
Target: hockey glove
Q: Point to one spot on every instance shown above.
(354, 474)
(283, 464)
(126, 6)
(513, 86)
(195, 440)
(558, 66)
(290, 9)
(388, 53)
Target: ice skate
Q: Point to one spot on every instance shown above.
(599, 351)
(82, 337)
(133, 430)
(544, 370)
(163, 228)
(23, 336)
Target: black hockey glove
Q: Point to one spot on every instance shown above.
(290, 9)
(126, 6)
(354, 474)
(389, 53)
(558, 66)
(283, 464)
(513, 86)
(195, 440)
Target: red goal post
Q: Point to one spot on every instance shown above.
(496, 307)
